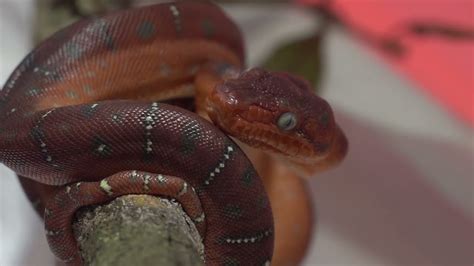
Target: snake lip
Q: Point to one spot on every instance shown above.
(268, 137)
(254, 126)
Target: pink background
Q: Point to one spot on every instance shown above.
(441, 67)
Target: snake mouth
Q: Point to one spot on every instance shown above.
(255, 126)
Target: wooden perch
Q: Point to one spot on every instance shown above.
(138, 230)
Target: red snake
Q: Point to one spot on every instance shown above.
(81, 125)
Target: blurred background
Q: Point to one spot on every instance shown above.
(399, 75)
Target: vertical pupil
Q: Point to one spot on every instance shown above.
(287, 121)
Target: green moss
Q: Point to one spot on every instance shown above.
(138, 230)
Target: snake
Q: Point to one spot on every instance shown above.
(85, 119)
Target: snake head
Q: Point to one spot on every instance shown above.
(277, 112)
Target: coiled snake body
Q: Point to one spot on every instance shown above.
(77, 130)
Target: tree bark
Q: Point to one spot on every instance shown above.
(138, 230)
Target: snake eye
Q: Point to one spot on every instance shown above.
(287, 121)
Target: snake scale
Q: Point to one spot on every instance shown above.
(82, 124)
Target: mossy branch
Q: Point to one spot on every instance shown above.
(138, 230)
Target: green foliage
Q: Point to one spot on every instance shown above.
(301, 57)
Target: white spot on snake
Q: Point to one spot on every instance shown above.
(146, 181)
(104, 185)
(161, 179)
(183, 190)
(267, 263)
(74, 50)
(220, 166)
(33, 92)
(174, 10)
(47, 113)
(53, 233)
(68, 189)
(12, 110)
(150, 121)
(101, 148)
(94, 105)
(16, 75)
(200, 218)
(259, 237)
(177, 20)
(68, 259)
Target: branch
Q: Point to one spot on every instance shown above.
(138, 230)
